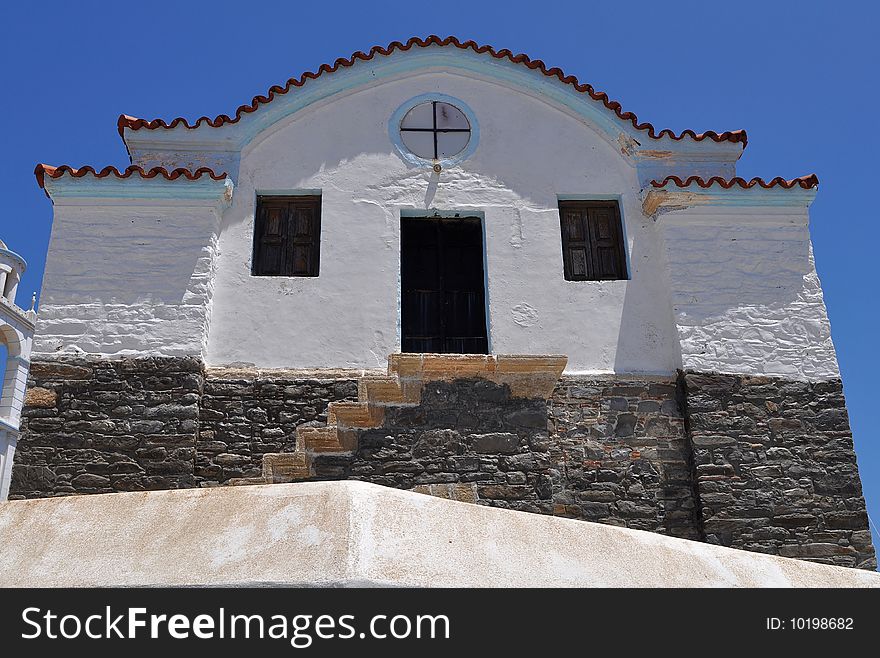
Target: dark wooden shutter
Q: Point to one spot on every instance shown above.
(269, 238)
(304, 238)
(592, 241)
(287, 236)
(575, 244)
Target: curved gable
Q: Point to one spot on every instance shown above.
(128, 123)
(215, 142)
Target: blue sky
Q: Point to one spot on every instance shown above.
(800, 78)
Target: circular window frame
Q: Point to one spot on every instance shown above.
(410, 157)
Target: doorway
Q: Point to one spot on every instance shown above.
(443, 305)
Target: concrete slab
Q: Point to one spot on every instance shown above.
(353, 533)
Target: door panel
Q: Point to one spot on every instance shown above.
(443, 306)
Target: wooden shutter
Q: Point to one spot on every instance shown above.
(304, 237)
(269, 238)
(592, 241)
(575, 245)
(287, 236)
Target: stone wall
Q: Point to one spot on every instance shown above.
(755, 463)
(598, 450)
(776, 469)
(620, 454)
(469, 433)
(604, 451)
(97, 426)
(245, 416)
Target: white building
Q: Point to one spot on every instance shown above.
(182, 282)
(444, 197)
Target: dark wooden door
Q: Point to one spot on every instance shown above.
(444, 300)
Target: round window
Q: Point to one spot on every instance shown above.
(435, 130)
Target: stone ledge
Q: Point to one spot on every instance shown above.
(528, 376)
(251, 373)
(82, 366)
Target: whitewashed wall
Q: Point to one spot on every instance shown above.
(746, 295)
(127, 276)
(529, 154)
(721, 283)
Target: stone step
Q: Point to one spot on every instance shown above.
(527, 375)
(281, 467)
(380, 390)
(319, 439)
(354, 414)
(432, 367)
(237, 482)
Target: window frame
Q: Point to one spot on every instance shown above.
(287, 237)
(408, 156)
(435, 130)
(591, 270)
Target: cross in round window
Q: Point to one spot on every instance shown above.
(435, 130)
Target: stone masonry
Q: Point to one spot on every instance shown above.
(620, 454)
(246, 415)
(97, 426)
(760, 464)
(775, 468)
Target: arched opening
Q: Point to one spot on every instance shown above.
(4, 360)
(10, 348)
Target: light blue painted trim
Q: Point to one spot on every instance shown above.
(9, 427)
(299, 191)
(204, 188)
(590, 197)
(487, 306)
(624, 236)
(412, 158)
(399, 321)
(737, 196)
(15, 256)
(434, 212)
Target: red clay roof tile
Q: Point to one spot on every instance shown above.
(805, 182)
(134, 123)
(43, 170)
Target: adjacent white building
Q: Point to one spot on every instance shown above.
(16, 335)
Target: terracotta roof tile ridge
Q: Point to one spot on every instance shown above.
(43, 170)
(135, 123)
(805, 182)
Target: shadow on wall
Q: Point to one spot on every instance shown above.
(155, 273)
(640, 336)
